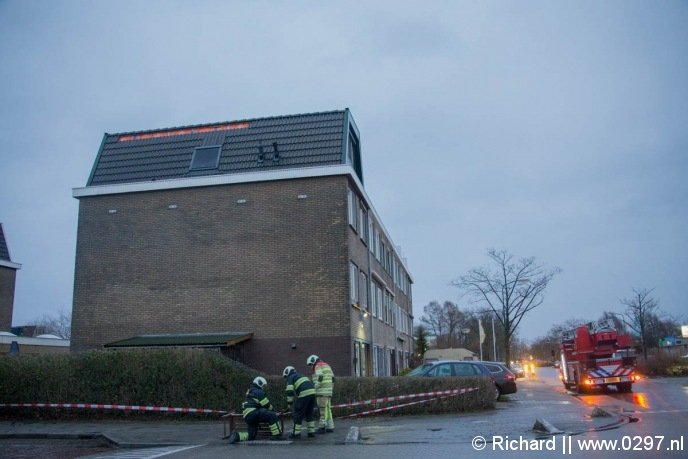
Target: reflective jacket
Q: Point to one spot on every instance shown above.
(255, 398)
(323, 378)
(298, 386)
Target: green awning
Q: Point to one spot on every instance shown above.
(186, 339)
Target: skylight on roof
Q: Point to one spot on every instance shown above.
(205, 158)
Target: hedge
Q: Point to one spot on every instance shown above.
(198, 379)
(663, 364)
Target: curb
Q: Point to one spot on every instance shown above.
(545, 427)
(86, 436)
(353, 436)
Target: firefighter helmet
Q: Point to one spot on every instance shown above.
(288, 370)
(260, 382)
(312, 359)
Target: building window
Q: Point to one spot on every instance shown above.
(353, 279)
(363, 224)
(354, 154)
(363, 291)
(388, 304)
(353, 208)
(361, 351)
(379, 305)
(205, 158)
(371, 239)
(381, 361)
(373, 299)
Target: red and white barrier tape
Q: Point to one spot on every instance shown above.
(170, 409)
(389, 408)
(100, 406)
(399, 398)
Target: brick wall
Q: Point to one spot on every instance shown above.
(7, 283)
(274, 265)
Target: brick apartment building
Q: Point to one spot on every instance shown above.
(254, 236)
(8, 278)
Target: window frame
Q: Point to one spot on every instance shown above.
(218, 149)
(353, 282)
(363, 291)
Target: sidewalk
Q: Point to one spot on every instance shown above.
(139, 434)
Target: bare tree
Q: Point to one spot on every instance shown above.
(639, 312)
(58, 325)
(547, 347)
(511, 290)
(445, 321)
(432, 318)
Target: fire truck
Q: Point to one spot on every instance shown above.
(595, 355)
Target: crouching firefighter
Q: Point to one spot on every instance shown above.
(256, 409)
(300, 392)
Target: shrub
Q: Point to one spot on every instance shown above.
(677, 370)
(198, 379)
(177, 377)
(663, 364)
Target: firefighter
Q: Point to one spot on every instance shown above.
(300, 392)
(323, 379)
(256, 409)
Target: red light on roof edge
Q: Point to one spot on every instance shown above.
(183, 131)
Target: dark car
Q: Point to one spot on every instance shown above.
(455, 368)
(505, 379)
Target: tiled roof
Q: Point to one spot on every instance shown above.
(4, 252)
(316, 139)
(190, 339)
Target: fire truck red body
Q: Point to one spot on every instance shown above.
(595, 356)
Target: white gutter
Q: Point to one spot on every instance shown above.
(212, 180)
(9, 264)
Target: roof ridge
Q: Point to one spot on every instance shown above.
(245, 120)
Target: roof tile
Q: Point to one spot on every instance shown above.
(306, 140)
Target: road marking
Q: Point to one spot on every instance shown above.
(661, 411)
(146, 453)
(544, 402)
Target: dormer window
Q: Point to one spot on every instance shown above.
(205, 158)
(354, 154)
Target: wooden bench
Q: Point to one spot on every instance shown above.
(235, 421)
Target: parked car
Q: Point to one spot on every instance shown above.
(505, 379)
(455, 368)
(518, 370)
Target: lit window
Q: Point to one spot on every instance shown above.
(205, 158)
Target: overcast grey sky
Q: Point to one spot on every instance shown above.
(557, 130)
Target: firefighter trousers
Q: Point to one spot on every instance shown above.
(303, 410)
(325, 406)
(254, 418)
